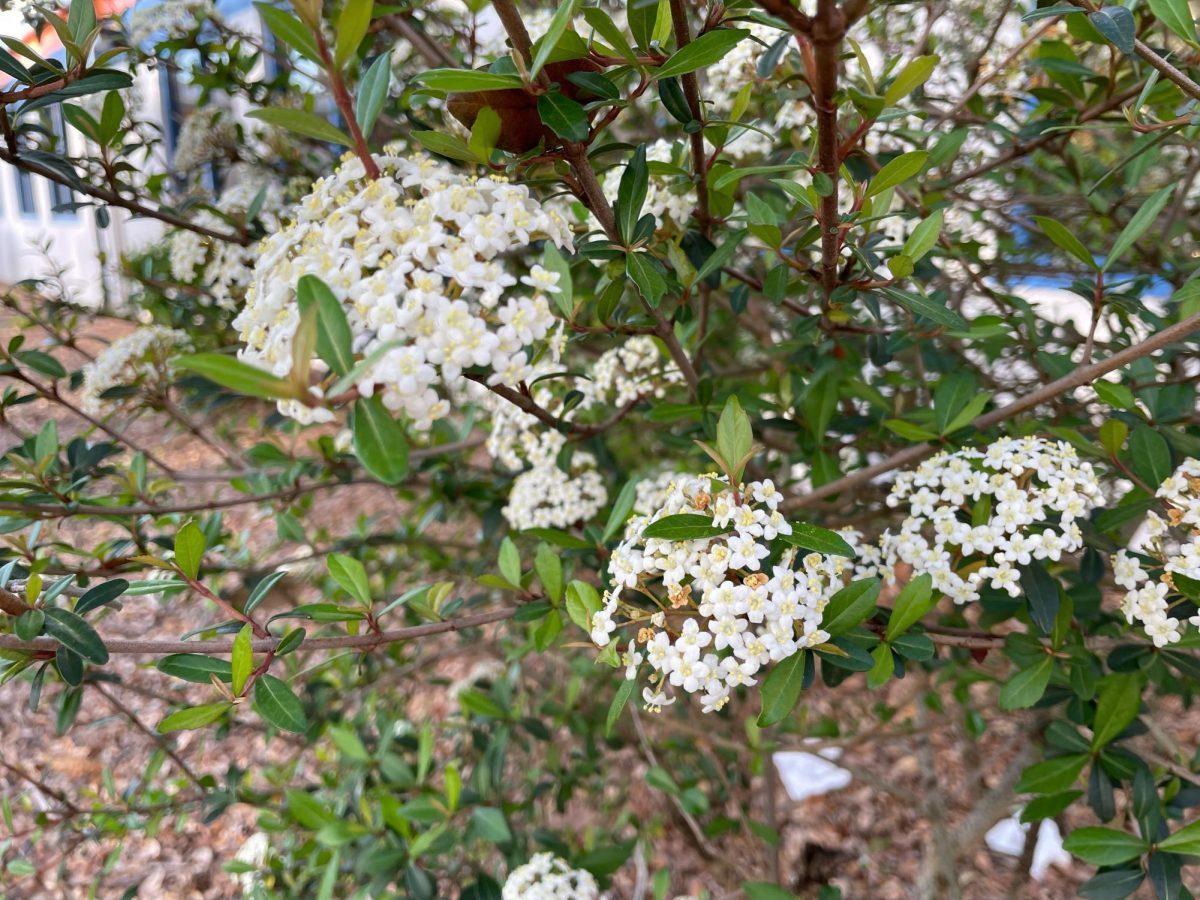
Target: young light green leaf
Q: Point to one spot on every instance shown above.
(372, 93)
(189, 550)
(734, 434)
(237, 376)
(352, 24)
(781, 689)
(510, 562)
(333, 329)
(703, 51)
(241, 661)
(1026, 687)
(467, 80)
(290, 30)
(1175, 14)
(884, 668)
(275, 702)
(302, 122)
(924, 236)
(1141, 220)
(911, 77)
(1065, 239)
(913, 602)
(1186, 840)
(899, 170)
(484, 134)
(349, 573)
(620, 698)
(549, 571)
(379, 441)
(563, 17)
(193, 717)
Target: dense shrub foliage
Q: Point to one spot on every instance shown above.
(707, 351)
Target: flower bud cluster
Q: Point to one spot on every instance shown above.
(139, 356)
(711, 613)
(975, 517)
(418, 259)
(1173, 546)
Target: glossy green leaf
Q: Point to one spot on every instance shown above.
(189, 550)
(684, 527)
(898, 171)
(379, 441)
(74, 633)
(821, 540)
(301, 122)
(275, 702)
(1104, 846)
(850, 606)
(705, 50)
(241, 660)
(349, 573)
(193, 717)
(781, 689)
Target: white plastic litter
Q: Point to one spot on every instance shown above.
(807, 775)
(1008, 836)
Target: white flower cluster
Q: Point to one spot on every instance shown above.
(141, 354)
(1146, 601)
(546, 877)
(418, 260)
(670, 199)
(207, 134)
(168, 19)
(723, 618)
(545, 496)
(223, 267)
(1013, 503)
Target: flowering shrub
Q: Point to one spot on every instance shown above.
(459, 387)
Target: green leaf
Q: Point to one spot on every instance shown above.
(241, 660)
(898, 171)
(1104, 846)
(1065, 239)
(290, 30)
(554, 261)
(100, 595)
(920, 305)
(349, 743)
(193, 717)
(333, 330)
(1116, 395)
(549, 571)
(302, 122)
(510, 562)
(352, 24)
(1053, 775)
(734, 435)
(925, 236)
(275, 702)
(703, 51)
(1145, 215)
(563, 17)
(631, 196)
(822, 540)
(1042, 592)
(379, 441)
(1117, 706)
(642, 271)
(1186, 840)
(1175, 14)
(913, 602)
(850, 606)
(261, 590)
(189, 550)
(447, 145)
(621, 509)
(564, 116)
(349, 573)
(484, 134)
(722, 254)
(781, 689)
(490, 825)
(884, 668)
(951, 396)
(762, 890)
(1026, 687)
(75, 634)
(608, 30)
(236, 375)
(1116, 23)
(467, 80)
(372, 93)
(81, 19)
(1150, 455)
(29, 624)
(1114, 884)
(911, 77)
(195, 667)
(684, 527)
(620, 698)
(583, 602)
